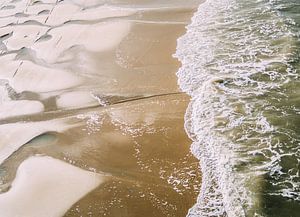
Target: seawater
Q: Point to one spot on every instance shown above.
(240, 65)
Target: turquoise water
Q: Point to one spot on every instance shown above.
(240, 64)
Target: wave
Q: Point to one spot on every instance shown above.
(239, 65)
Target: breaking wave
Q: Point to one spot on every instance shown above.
(240, 62)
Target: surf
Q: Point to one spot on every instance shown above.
(240, 64)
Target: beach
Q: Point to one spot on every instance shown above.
(91, 116)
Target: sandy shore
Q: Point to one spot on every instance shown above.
(90, 109)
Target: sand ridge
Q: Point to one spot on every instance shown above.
(46, 187)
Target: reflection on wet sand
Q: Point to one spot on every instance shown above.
(91, 118)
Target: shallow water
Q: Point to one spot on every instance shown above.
(88, 124)
(241, 67)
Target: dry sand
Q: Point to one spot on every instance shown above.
(51, 185)
(88, 89)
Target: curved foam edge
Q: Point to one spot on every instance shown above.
(223, 191)
(45, 186)
(209, 59)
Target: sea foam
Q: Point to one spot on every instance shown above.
(237, 60)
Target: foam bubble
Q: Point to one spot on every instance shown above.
(236, 64)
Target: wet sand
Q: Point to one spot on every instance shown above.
(91, 117)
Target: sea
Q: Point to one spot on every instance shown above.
(240, 65)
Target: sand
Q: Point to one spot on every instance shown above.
(76, 99)
(21, 107)
(88, 94)
(51, 185)
(15, 135)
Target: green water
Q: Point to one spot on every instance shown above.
(241, 67)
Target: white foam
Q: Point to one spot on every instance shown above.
(223, 55)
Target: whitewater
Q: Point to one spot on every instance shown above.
(240, 65)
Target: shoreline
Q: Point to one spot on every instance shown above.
(120, 110)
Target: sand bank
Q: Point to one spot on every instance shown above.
(46, 187)
(15, 135)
